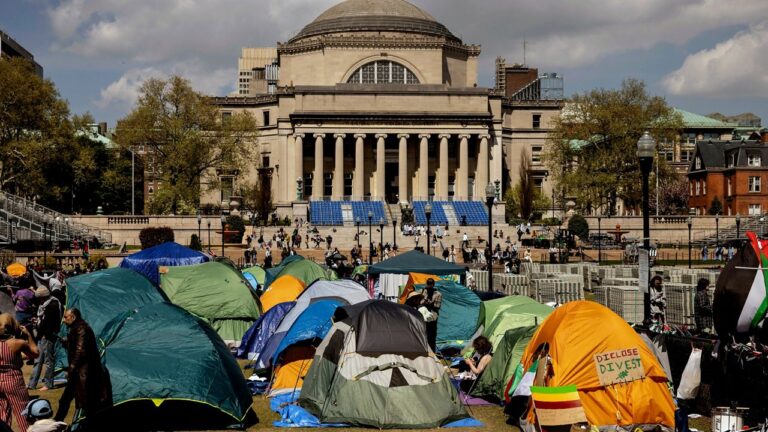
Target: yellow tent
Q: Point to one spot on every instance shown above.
(413, 280)
(620, 381)
(16, 270)
(286, 288)
(294, 365)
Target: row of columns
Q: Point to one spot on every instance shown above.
(378, 190)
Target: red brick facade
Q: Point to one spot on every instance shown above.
(736, 199)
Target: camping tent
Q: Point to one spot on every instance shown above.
(256, 336)
(457, 320)
(413, 280)
(522, 315)
(415, 261)
(506, 357)
(375, 368)
(258, 273)
(293, 356)
(215, 292)
(583, 335)
(490, 308)
(304, 270)
(346, 291)
(148, 261)
(271, 273)
(171, 371)
(286, 288)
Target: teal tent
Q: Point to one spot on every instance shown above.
(216, 292)
(170, 371)
(416, 262)
(458, 314)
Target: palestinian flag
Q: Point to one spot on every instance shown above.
(557, 406)
(740, 300)
(520, 384)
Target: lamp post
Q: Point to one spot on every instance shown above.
(394, 233)
(223, 223)
(13, 225)
(690, 224)
(209, 235)
(370, 237)
(45, 242)
(738, 226)
(66, 222)
(428, 213)
(762, 227)
(646, 149)
(357, 222)
(381, 238)
(717, 230)
(490, 196)
(199, 222)
(599, 241)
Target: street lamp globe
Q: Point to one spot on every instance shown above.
(646, 146)
(490, 193)
(428, 209)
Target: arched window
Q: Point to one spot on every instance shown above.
(383, 72)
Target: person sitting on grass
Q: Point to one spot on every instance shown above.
(476, 364)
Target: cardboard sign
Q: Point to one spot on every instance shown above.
(557, 406)
(619, 366)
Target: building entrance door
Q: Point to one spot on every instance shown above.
(391, 182)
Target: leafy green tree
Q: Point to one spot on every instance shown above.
(579, 226)
(716, 208)
(592, 149)
(189, 140)
(34, 125)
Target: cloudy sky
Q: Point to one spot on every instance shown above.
(702, 55)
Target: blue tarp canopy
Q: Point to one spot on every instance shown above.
(416, 262)
(313, 323)
(255, 339)
(148, 261)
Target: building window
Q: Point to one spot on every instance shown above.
(328, 185)
(698, 163)
(537, 121)
(753, 160)
(704, 187)
(754, 184)
(226, 116)
(755, 209)
(732, 160)
(265, 115)
(383, 72)
(347, 184)
(265, 161)
(698, 187)
(691, 188)
(729, 187)
(685, 155)
(536, 154)
(227, 188)
(307, 185)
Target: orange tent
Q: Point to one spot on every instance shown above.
(587, 343)
(413, 280)
(294, 365)
(286, 288)
(16, 270)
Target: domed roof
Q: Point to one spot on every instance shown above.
(374, 15)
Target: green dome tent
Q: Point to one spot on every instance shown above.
(522, 315)
(215, 292)
(257, 272)
(170, 371)
(491, 308)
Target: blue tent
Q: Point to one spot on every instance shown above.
(313, 323)
(148, 261)
(457, 321)
(257, 336)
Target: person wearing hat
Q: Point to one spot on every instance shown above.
(432, 300)
(38, 413)
(48, 324)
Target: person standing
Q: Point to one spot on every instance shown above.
(14, 340)
(432, 299)
(658, 301)
(702, 307)
(87, 381)
(48, 323)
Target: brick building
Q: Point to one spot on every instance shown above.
(735, 172)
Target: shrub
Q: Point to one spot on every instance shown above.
(235, 223)
(579, 226)
(194, 243)
(153, 236)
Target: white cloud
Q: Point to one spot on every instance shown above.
(124, 91)
(737, 67)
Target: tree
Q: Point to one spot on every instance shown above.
(258, 196)
(716, 208)
(592, 149)
(34, 123)
(673, 196)
(524, 198)
(187, 137)
(579, 226)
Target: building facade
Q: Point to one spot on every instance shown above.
(733, 172)
(10, 48)
(378, 101)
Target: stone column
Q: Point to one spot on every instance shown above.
(462, 171)
(338, 170)
(495, 163)
(358, 179)
(380, 138)
(442, 170)
(317, 175)
(423, 190)
(298, 162)
(403, 168)
(481, 179)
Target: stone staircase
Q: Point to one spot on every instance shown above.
(748, 223)
(450, 214)
(347, 215)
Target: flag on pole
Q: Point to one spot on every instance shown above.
(520, 384)
(557, 406)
